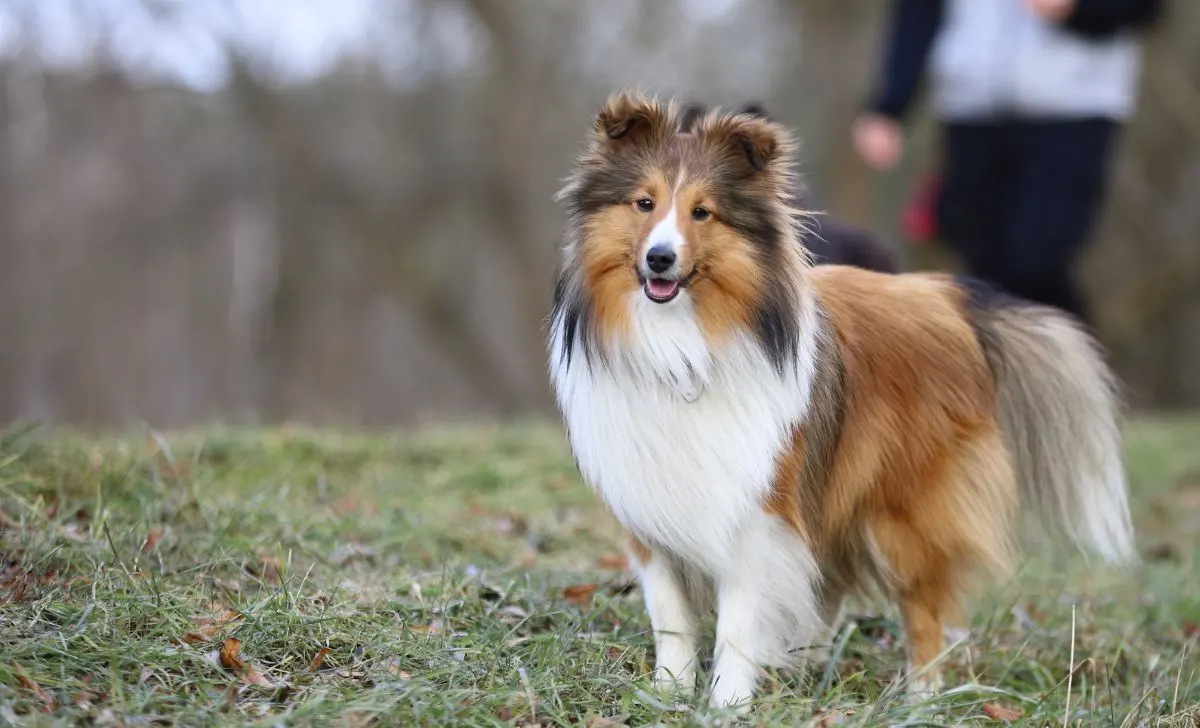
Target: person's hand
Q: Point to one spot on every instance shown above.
(879, 140)
(1054, 11)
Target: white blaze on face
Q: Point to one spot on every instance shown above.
(665, 234)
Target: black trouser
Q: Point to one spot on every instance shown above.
(1019, 198)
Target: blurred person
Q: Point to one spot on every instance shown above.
(1030, 95)
(831, 241)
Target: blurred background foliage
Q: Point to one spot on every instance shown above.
(341, 212)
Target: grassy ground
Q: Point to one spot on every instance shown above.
(467, 578)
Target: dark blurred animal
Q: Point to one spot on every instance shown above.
(831, 241)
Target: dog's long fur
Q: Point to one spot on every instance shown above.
(776, 435)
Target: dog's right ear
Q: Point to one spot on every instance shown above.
(630, 119)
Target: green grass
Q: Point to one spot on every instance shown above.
(449, 573)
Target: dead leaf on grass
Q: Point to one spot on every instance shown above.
(86, 697)
(614, 561)
(268, 568)
(601, 722)
(152, 539)
(434, 627)
(230, 658)
(48, 703)
(999, 712)
(16, 581)
(579, 593)
(519, 711)
(208, 626)
(251, 676)
(229, 654)
(319, 659)
(346, 505)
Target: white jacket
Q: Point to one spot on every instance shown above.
(992, 57)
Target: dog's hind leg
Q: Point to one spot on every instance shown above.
(930, 544)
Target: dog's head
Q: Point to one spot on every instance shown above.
(672, 207)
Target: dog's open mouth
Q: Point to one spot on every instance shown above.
(661, 290)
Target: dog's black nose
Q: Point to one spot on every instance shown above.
(660, 258)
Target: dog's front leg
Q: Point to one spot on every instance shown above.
(740, 646)
(674, 621)
(766, 602)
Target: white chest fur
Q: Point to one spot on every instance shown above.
(680, 441)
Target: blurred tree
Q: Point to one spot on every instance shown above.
(375, 243)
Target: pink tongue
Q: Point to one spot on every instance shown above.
(660, 288)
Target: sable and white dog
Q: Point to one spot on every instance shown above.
(772, 435)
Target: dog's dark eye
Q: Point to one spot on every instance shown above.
(700, 214)
(645, 204)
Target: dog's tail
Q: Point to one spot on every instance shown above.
(1059, 411)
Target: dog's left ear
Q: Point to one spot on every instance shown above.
(757, 142)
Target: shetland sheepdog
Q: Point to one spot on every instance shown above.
(775, 436)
